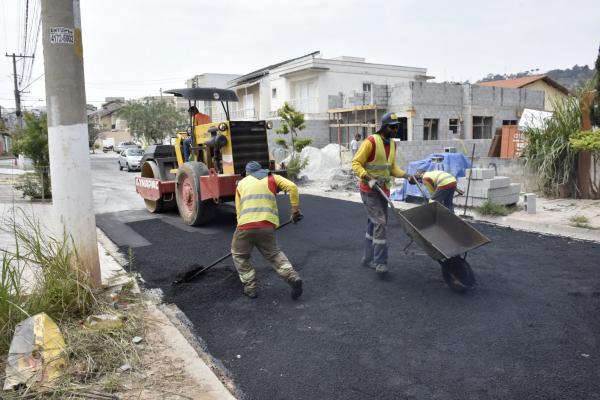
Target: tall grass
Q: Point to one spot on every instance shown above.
(40, 275)
(548, 151)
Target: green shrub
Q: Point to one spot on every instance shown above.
(31, 185)
(581, 221)
(295, 165)
(55, 284)
(281, 142)
(299, 144)
(549, 150)
(493, 209)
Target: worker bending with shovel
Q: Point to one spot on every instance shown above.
(375, 164)
(257, 219)
(441, 186)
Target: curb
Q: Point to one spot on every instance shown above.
(208, 372)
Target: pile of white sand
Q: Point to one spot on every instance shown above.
(323, 164)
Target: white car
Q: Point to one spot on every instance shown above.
(131, 159)
(124, 146)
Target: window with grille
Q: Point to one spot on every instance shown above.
(430, 129)
(482, 127)
(453, 125)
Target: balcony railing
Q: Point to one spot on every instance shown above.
(240, 114)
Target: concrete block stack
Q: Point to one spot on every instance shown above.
(487, 187)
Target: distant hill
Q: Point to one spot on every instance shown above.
(571, 78)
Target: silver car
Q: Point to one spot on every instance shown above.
(131, 159)
(124, 146)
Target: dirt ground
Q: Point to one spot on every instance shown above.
(168, 368)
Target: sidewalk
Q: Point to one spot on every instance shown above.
(173, 359)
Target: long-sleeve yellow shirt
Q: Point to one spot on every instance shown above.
(366, 153)
(276, 183)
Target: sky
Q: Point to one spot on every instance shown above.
(134, 48)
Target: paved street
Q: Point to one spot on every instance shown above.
(529, 331)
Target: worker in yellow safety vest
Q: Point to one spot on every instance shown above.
(257, 218)
(440, 184)
(375, 163)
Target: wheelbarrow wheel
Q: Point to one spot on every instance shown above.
(458, 274)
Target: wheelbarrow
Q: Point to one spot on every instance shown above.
(444, 236)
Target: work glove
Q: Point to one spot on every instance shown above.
(372, 182)
(296, 215)
(411, 179)
(460, 192)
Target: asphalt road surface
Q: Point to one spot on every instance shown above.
(530, 330)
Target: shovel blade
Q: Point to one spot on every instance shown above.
(191, 273)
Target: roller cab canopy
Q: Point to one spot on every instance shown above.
(205, 94)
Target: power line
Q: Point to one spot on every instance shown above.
(32, 82)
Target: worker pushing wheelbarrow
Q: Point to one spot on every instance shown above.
(445, 237)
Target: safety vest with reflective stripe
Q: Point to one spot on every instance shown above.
(436, 179)
(380, 166)
(257, 202)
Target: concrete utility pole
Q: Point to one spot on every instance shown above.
(17, 91)
(70, 168)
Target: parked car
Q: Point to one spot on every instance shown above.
(106, 149)
(125, 145)
(131, 159)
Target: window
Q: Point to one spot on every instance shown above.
(482, 127)
(509, 122)
(274, 92)
(430, 129)
(366, 87)
(453, 125)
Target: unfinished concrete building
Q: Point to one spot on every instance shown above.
(433, 115)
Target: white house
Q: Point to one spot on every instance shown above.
(205, 80)
(309, 83)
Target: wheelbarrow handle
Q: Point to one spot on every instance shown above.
(421, 189)
(382, 193)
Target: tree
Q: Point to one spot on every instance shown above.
(292, 121)
(32, 142)
(596, 106)
(152, 121)
(94, 133)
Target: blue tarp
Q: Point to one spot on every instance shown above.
(454, 163)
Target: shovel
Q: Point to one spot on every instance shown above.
(198, 270)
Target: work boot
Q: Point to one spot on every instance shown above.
(296, 285)
(381, 269)
(250, 291)
(367, 263)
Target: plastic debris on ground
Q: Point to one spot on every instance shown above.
(36, 354)
(103, 322)
(453, 163)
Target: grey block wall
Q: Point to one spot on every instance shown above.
(444, 101)
(418, 150)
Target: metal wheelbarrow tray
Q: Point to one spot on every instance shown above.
(445, 237)
(439, 232)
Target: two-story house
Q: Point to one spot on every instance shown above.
(308, 82)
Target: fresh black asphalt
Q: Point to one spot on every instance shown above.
(529, 331)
